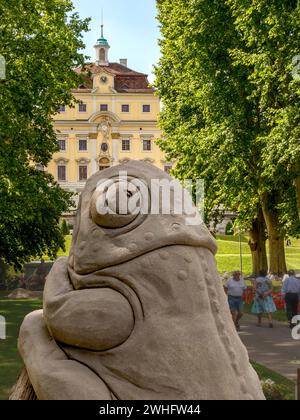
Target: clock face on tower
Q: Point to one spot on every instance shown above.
(103, 79)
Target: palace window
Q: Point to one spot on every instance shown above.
(61, 172)
(147, 145)
(103, 107)
(146, 108)
(125, 108)
(62, 108)
(125, 145)
(167, 168)
(62, 145)
(83, 172)
(82, 145)
(82, 108)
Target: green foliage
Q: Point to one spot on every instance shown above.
(271, 43)
(65, 228)
(275, 386)
(10, 361)
(39, 40)
(229, 229)
(228, 96)
(274, 391)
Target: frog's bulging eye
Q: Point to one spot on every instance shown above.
(116, 203)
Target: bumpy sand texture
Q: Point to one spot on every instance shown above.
(136, 312)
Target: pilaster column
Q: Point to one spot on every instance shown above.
(93, 154)
(115, 148)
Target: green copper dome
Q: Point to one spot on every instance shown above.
(102, 41)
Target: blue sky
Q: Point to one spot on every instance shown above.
(130, 27)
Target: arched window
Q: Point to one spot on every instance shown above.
(102, 54)
(104, 163)
(61, 171)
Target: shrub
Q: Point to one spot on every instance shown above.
(65, 228)
(274, 391)
(229, 229)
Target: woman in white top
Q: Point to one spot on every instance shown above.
(235, 288)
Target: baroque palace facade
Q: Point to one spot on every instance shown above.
(115, 121)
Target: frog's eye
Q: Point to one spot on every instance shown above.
(116, 204)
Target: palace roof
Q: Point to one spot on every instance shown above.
(126, 79)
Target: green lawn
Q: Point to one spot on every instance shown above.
(228, 256)
(62, 253)
(10, 363)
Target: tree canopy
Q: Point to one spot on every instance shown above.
(229, 95)
(40, 42)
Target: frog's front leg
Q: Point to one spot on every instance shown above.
(52, 375)
(91, 319)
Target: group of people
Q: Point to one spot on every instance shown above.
(263, 300)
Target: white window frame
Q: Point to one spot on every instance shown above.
(107, 106)
(79, 105)
(125, 112)
(59, 165)
(151, 143)
(126, 139)
(79, 138)
(81, 165)
(65, 139)
(146, 112)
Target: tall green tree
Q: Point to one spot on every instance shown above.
(40, 42)
(212, 119)
(270, 34)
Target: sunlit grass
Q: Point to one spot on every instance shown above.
(10, 362)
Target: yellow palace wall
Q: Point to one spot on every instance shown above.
(111, 127)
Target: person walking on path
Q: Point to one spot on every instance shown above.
(235, 288)
(291, 294)
(263, 300)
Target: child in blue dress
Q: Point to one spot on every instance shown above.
(263, 301)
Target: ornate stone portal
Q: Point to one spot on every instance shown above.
(137, 311)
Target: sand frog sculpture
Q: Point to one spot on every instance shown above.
(137, 311)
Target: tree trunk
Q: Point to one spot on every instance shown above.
(23, 389)
(297, 186)
(277, 263)
(257, 243)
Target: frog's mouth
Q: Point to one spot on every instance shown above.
(100, 277)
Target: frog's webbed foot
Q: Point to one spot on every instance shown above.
(52, 374)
